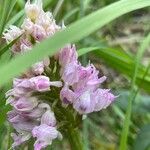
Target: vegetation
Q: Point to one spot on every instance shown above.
(114, 36)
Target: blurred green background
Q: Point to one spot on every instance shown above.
(118, 42)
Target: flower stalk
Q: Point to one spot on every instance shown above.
(75, 139)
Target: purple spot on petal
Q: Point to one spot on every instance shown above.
(66, 101)
(82, 108)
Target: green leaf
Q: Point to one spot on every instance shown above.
(142, 141)
(3, 112)
(47, 3)
(3, 15)
(70, 14)
(58, 7)
(12, 4)
(141, 104)
(74, 32)
(21, 3)
(6, 12)
(15, 18)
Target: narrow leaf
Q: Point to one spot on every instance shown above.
(74, 32)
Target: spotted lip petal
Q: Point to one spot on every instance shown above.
(44, 134)
(67, 96)
(48, 118)
(84, 104)
(104, 98)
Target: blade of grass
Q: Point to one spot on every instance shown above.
(4, 15)
(47, 3)
(81, 15)
(12, 5)
(21, 3)
(15, 18)
(125, 130)
(70, 14)
(5, 48)
(7, 10)
(58, 7)
(86, 3)
(74, 32)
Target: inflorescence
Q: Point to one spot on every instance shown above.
(31, 116)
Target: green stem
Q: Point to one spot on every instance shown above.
(67, 116)
(75, 139)
(72, 132)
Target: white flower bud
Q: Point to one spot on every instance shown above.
(12, 33)
(33, 10)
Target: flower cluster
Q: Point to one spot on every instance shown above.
(31, 116)
(81, 84)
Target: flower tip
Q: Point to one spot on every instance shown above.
(60, 137)
(63, 25)
(84, 117)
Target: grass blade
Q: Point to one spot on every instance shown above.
(15, 18)
(70, 14)
(5, 48)
(125, 131)
(21, 3)
(58, 7)
(73, 33)
(47, 3)
(4, 15)
(11, 9)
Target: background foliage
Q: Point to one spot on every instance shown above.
(120, 50)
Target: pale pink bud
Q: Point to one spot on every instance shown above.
(48, 118)
(28, 25)
(70, 73)
(40, 83)
(38, 68)
(17, 92)
(68, 55)
(52, 29)
(46, 20)
(103, 99)
(38, 33)
(21, 138)
(67, 96)
(26, 103)
(46, 62)
(12, 33)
